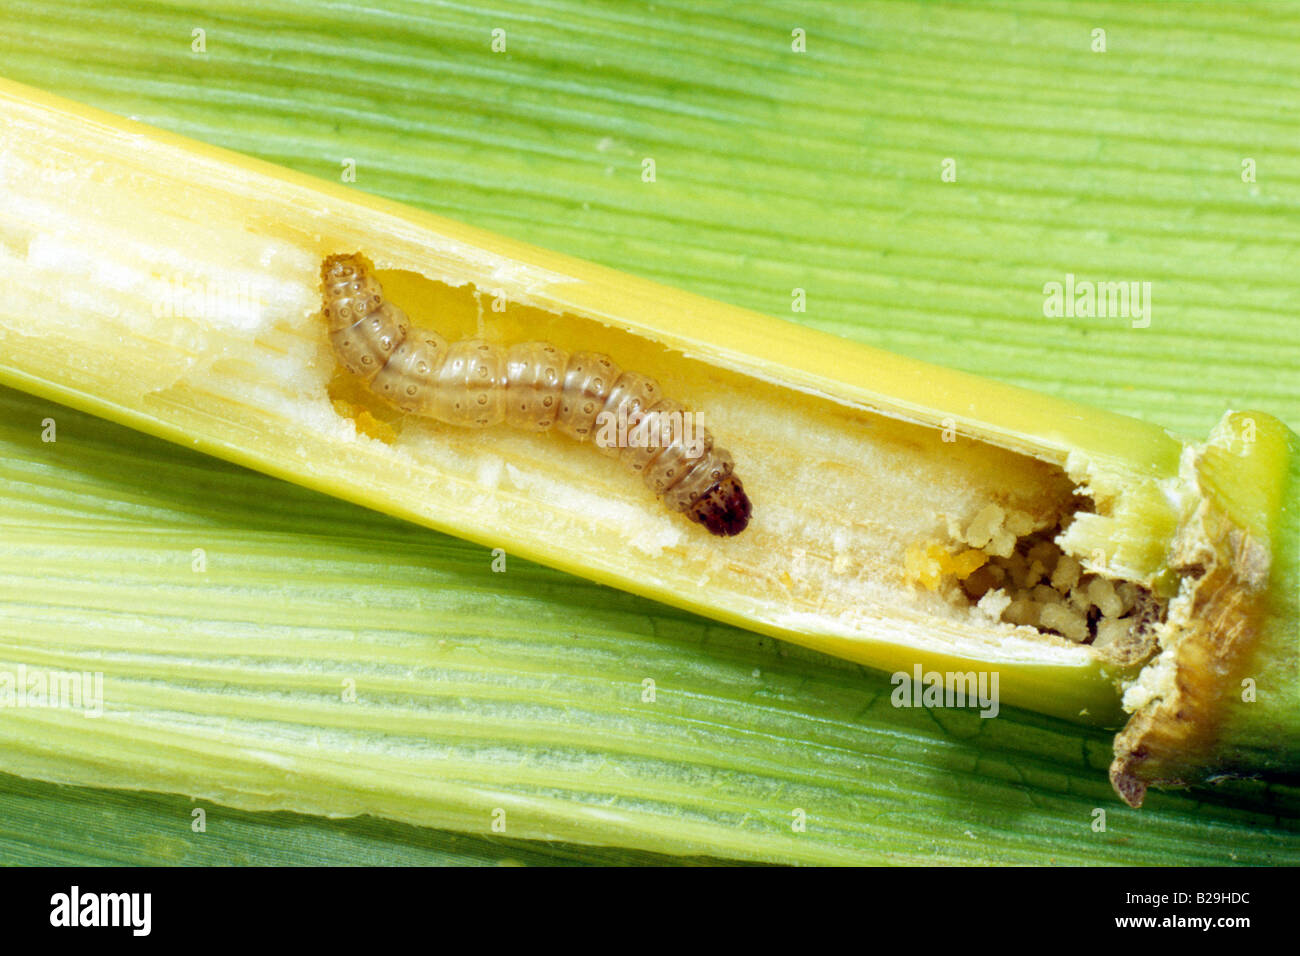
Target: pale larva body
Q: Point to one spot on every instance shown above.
(534, 386)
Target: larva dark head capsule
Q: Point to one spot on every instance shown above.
(724, 509)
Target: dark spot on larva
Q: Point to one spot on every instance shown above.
(412, 390)
(422, 368)
(482, 399)
(482, 371)
(547, 402)
(367, 360)
(484, 347)
(588, 408)
(724, 509)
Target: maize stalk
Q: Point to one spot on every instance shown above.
(904, 515)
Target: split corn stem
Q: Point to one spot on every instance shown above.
(904, 515)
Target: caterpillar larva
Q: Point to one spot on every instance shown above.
(533, 386)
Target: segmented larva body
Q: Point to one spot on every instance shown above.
(533, 386)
